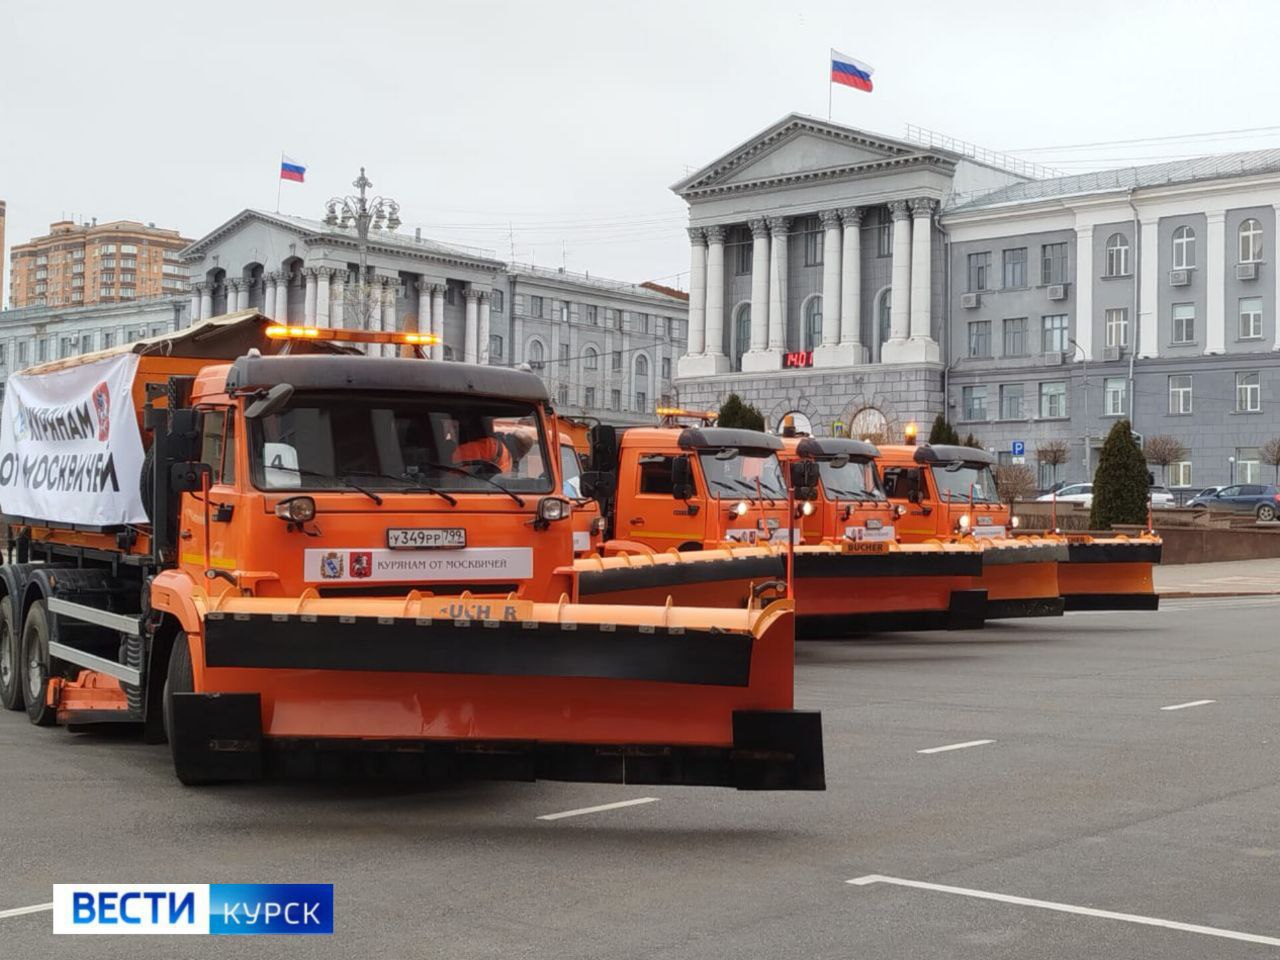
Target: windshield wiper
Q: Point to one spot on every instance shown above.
(476, 476)
(344, 480)
(419, 482)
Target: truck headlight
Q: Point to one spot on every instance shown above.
(1016, 522)
(900, 510)
(740, 508)
(553, 508)
(296, 509)
(963, 522)
(806, 508)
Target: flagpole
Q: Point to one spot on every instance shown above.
(279, 181)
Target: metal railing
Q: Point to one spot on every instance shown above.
(1023, 168)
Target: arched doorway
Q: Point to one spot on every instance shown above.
(812, 337)
(217, 280)
(795, 423)
(741, 334)
(870, 424)
(884, 312)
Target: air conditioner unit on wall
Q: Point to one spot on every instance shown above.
(1112, 353)
(1246, 271)
(1053, 358)
(1179, 278)
(969, 300)
(1058, 291)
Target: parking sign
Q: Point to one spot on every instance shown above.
(1018, 448)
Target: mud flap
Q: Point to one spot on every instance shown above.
(968, 610)
(216, 736)
(1112, 601)
(778, 750)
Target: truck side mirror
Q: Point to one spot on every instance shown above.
(913, 495)
(184, 430)
(681, 478)
(190, 477)
(804, 479)
(596, 484)
(274, 401)
(603, 440)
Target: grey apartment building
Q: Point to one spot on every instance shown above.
(902, 278)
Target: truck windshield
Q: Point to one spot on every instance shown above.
(400, 442)
(954, 484)
(852, 481)
(736, 476)
(571, 470)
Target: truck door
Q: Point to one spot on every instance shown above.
(909, 487)
(218, 450)
(654, 516)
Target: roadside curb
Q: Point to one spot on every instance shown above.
(1183, 594)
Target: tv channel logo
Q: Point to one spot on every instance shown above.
(193, 909)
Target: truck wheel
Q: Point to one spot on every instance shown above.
(35, 666)
(10, 659)
(147, 482)
(180, 679)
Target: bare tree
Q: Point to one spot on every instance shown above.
(1164, 450)
(1271, 455)
(1014, 481)
(1054, 453)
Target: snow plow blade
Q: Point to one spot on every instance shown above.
(1021, 577)
(1110, 573)
(497, 688)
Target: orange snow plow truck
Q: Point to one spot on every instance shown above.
(281, 555)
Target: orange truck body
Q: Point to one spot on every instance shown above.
(276, 615)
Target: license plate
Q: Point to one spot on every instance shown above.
(984, 521)
(426, 538)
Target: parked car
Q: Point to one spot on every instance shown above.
(1260, 499)
(1161, 498)
(1071, 493)
(1202, 495)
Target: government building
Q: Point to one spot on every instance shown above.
(866, 282)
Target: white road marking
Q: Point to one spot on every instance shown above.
(1070, 908)
(599, 809)
(957, 746)
(1193, 703)
(19, 911)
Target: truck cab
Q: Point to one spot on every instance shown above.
(944, 491)
(696, 487)
(851, 503)
(588, 525)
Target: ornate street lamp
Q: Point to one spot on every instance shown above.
(364, 214)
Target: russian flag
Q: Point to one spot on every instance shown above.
(850, 72)
(291, 169)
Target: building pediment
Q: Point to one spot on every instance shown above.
(237, 223)
(798, 149)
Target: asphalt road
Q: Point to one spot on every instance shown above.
(1091, 796)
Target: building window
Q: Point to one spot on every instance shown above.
(1184, 248)
(537, 355)
(974, 401)
(450, 291)
(1248, 392)
(1250, 318)
(812, 242)
(616, 361)
(495, 347)
(562, 395)
(108, 340)
(1015, 337)
(884, 233)
(564, 355)
(495, 301)
(42, 350)
(1247, 465)
(741, 335)
(1015, 268)
(642, 402)
(666, 368)
(591, 359)
(979, 271)
(1250, 241)
(1053, 400)
(660, 326)
(1053, 263)
(1117, 320)
(980, 338)
(615, 399)
(1114, 391)
(1011, 401)
(86, 345)
(743, 250)
(1184, 323)
(22, 354)
(1180, 394)
(1117, 255)
(535, 306)
(1053, 333)
(813, 323)
(588, 396)
(1180, 473)
(593, 314)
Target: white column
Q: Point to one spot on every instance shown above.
(1083, 290)
(437, 319)
(829, 354)
(778, 269)
(895, 348)
(233, 295)
(715, 298)
(759, 357)
(1148, 289)
(282, 298)
(851, 288)
(309, 303)
(206, 300)
(337, 312)
(1215, 279)
(697, 292)
(242, 298)
(924, 349)
(423, 287)
(469, 338)
(389, 290)
(482, 333)
(322, 296)
(195, 302)
(269, 295)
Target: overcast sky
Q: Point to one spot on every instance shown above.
(558, 127)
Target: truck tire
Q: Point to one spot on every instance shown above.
(10, 659)
(180, 679)
(35, 666)
(146, 483)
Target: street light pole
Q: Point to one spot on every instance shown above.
(363, 213)
(1088, 457)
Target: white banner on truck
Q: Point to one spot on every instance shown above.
(70, 451)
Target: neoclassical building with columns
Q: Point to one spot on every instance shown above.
(817, 273)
